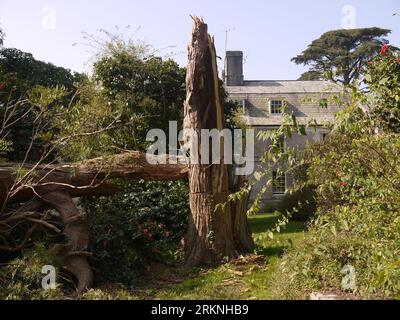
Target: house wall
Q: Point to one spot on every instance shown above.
(301, 104)
(306, 106)
(296, 141)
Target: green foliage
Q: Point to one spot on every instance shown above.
(97, 294)
(145, 221)
(5, 147)
(383, 80)
(90, 126)
(30, 90)
(21, 71)
(299, 205)
(131, 92)
(339, 55)
(153, 89)
(311, 75)
(26, 128)
(21, 278)
(357, 175)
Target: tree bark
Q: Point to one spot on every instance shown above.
(74, 253)
(87, 178)
(241, 230)
(210, 237)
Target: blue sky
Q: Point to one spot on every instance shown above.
(269, 32)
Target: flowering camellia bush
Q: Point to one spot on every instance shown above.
(357, 177)
(383, 79)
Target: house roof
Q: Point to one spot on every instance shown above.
(283, 86)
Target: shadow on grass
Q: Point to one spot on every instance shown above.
(260, 224)
(264, 222)
(273, 251)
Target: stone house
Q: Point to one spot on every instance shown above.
(262, 102)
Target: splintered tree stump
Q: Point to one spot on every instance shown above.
(210, 237)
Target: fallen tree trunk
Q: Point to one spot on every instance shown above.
(87, 178)
(43, 187)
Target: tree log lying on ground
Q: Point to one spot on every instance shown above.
(90, 177)
(43, 187)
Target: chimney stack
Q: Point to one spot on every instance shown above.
(234, 68)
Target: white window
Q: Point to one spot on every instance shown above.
(241, 103)
(275, 106)
(278, 182)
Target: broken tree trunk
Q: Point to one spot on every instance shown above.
(241, 230)
(210, 237)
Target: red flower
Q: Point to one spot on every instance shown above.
(370, 63)
(145, 231)
(2, 85)
(384, 49)
(343, 184)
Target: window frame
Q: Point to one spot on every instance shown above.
(281, 188)
(273, 107)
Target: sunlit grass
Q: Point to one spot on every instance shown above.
(248, 278)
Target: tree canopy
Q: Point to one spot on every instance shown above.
(152, 89)
(23, 77)
(311, 75)
(340, 54)
(22, 70)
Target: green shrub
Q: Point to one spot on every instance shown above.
(21, 278)
(358, 221)
(362, 238)
(144, 222)
(357, 174)
(300, 204)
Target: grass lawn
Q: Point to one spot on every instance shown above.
(248, 277)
